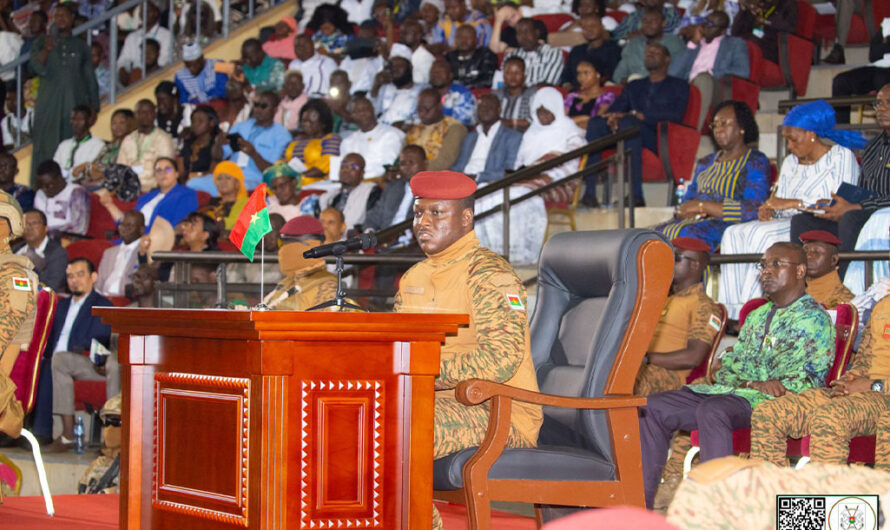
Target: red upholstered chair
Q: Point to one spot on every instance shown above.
(101, 222)
(90, 249)
(554, 21)
(26, 373)
(478, 92)
(846, 322)
(796, 52)
(203, 198)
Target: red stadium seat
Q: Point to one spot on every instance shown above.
(826, 29)
(90, 249)
(203, 198)
(554, 21)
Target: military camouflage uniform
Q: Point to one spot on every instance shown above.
(303, 289)
(688, 314)
(882, 445)
(468, 278)
(830, 422)
(828, 290)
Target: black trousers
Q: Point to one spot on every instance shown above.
(847, 230)
(857, 82)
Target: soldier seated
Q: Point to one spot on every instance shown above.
(306, 283)
(823, 282)
(688, 324)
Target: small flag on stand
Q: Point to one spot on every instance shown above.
(252, 224)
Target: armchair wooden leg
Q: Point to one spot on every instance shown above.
(475, 471)
(539, 516)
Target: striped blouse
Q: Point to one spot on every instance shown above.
(876, 172)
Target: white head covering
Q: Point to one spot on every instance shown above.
(438, 4)
(541, 139)
(191, 51)
(400, 50)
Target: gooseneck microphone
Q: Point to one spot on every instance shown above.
(338, 248)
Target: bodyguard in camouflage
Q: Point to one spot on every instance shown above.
(18, 296)
(687, 326)
(306, 282)
(784, 346)
(831, 416)
(823, 282)
(460, 276)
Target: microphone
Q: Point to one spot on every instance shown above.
(338, 248)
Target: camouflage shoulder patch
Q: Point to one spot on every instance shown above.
(514, 301)
(714, 322)
(21, 284)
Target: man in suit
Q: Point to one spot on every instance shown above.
(119, 262)
(47, 255)
(717, 56)
(74, 329)
(643, 103)
(489, 150)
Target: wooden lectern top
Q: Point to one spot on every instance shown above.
(282, 325)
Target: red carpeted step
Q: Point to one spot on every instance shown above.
(73, 512)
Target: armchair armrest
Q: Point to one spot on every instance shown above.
(476, 391)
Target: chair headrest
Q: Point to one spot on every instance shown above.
(587, 264)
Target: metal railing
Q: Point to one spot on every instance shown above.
(110, 17)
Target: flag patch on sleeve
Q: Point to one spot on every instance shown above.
(887, 331)
(715, 322)
(21, 284)
(515, 302)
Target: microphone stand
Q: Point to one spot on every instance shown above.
(340, 300)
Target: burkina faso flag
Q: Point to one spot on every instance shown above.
(252, 224)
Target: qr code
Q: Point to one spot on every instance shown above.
(800, 513)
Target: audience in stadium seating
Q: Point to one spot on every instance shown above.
(633, 23)
(761, 23)
(292, 100)
(169, 110)
(633, 57)
(261, 71)
(237, 106)
(200, 232)
(196, 154)
(9, 168)
(169, 200)
(394, 92)
(318, 144)
(47, 255)
(812, 171)
(489, 150)
(130, 57)
(103, 74)
(439, 135)
(123, 122)
(316, 67)
(379, 144)
(396, 203)
(74, 330)
(119, 262)
(355, 196)
(599, 50)
(330, 30)
(142, 289)
(82, 148)
(284, 184)
(727, 186)
(543, 63)
(411, 35)
(11, 126)
(472, 66)
(515, 96)
(229, 181)
(281, 43)
(456, 15)
(707, 65)
(363, 61)
(457, 100)
(333, 223)
(338, 99)
(199, 81)
(147, 143)
(643, 103)
(66, 205)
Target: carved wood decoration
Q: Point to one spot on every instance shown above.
(274, 451)
(341, 457)
(219, 492)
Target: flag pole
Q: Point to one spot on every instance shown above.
(262, 306)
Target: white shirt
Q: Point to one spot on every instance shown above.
(131, 52)
(65, 334)
(479, 156)
(316, 72)
(119, 270)
(381, 145)
(361, 72)
(71, 153)
(10, 45)
(397, 104)
(40, 250)
(10, 123)
(400, 214)
(149, 207)
(421, 62)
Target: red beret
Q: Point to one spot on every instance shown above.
(442, 185)
(820, 235)
(690, 243)
(301, 226)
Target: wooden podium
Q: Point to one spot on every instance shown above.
(278, 419)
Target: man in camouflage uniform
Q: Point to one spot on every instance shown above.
(882, 445)
(831, 416)
(460, 276)
(823, 282)
(688, 324)
(18, 296)
(306, 282)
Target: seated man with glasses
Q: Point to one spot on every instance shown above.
(254, 145)
(687, 325)
(785, 346)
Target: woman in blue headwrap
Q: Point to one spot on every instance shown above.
(811, 172)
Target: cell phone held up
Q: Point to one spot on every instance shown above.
(233, 141)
